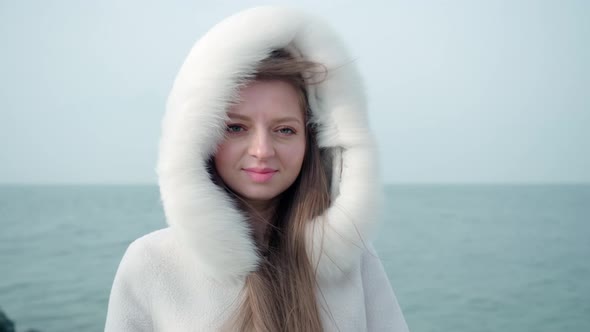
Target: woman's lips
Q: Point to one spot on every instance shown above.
(260, 175)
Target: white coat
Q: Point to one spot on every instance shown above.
(188, 277)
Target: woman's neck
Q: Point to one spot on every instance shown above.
(261, 217)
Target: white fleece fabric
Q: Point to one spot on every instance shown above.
(160, 287)
(188, 277)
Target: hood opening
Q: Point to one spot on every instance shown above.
(200, 213)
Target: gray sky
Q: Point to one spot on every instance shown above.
(460, 91)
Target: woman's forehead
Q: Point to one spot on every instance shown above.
(267, 99)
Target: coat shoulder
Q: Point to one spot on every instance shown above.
(156, 241)
(148, 254)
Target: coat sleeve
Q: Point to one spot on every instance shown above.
(129, 305)
(382, 309)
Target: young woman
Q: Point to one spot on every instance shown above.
(269, 182)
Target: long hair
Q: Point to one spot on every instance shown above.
(281, 294)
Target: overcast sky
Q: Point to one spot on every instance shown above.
(460, 91)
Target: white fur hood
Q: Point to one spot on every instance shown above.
(201, 215)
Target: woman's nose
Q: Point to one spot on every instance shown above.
(261, 146)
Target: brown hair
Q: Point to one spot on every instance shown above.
(281, 294)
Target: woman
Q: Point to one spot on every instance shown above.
(269, 183)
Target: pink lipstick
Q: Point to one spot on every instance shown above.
(260, 174)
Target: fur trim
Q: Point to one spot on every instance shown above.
(201, 214)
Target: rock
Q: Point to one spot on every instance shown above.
(6, 325)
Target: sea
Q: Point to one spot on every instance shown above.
(510, 258)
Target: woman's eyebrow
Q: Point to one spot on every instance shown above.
(278, 120)
(287, 119)
(238, 116)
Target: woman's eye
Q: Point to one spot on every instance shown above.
(232, 129)
(286, 131)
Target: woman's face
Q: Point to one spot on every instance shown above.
(263, 150)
